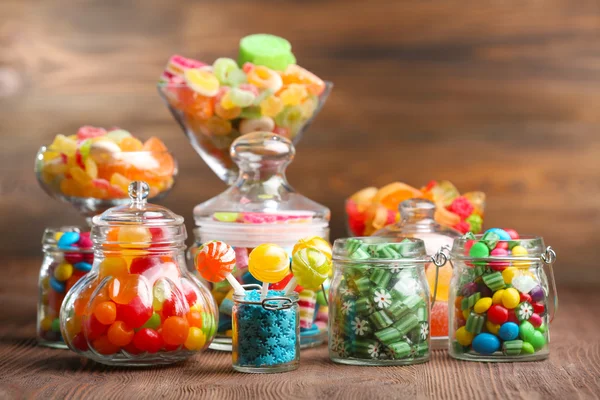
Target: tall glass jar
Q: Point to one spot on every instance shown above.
(68, 256)
(260, 207)
(138, 306)
(501, 299)
(417, 220)
(379, 301)
(266, 334)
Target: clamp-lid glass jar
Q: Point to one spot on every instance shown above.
(417, 220)
(379, 303)
(260, 207)
(500, 297)
(138, 305)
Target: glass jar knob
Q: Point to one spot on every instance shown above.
(138, 192)
(262, 152)
(417, 209)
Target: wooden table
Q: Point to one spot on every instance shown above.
(30, 371)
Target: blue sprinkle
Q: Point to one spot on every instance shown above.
(56, 285)
(67, 240)
(83, 266)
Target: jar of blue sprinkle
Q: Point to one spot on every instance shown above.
(266, 332)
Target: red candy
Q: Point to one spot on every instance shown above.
(512, 317)
(88, 132)
(536, 320)
(80, 343)
(73, 258)
(538, 308)
(84, 241)
(173, 306)
(462, 227)
(525, 297)
(462, 207)
(147, 340)
(94, 328)
(502, 245)
(497, 314)
(439, 319)
(512, 233)
(140, 265)
(135, 314)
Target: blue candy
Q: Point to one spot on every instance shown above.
(247, 279)
(67, 240)
(83, 266)
(486, 343)
(313, 330)
(509, 331)
(500, 232)
(56, 285)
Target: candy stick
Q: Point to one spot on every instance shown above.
(215, 262)
(268, 263)
(310, 267)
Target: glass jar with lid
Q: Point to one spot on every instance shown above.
(379, 301)
(417, 220)
(259, 207)
(501, 301)
(138, 305)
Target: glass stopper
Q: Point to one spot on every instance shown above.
(138, 192)
(420, 208)
(258, 150)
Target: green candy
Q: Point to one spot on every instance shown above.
(380, 319)
(223, 68)
(542, 328)
(413, 301)
(263, 49)
(422, 349)
(363, 284)
(469, 302)
(526, 330)
(397, 309)
(512, 347)
(406, 324)
(527, 348)
(468, 236)
(360, 254)
(479, 250)
(475, 222)
(380, 277)
(226, 216)
(352, 245)
(364, 306)
(490, 239)
(537, 340)
(400, 350)
(361, 346)
(55, 325)
(421, 313)
(153, 322)
(252, 112)
(388, 335)
(475, 323)
(494, 281)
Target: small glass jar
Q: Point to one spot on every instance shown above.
(379, 302)
(66, 260)
(417, 220)
(266, 334)
(139, 305)
(501, 302)
(259, 207)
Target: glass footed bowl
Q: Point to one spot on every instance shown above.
(211, 130)
(93, 189)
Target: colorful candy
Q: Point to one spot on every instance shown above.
(215, 262)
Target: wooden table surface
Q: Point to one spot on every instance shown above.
(30, 371)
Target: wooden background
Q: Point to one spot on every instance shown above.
(501, 96)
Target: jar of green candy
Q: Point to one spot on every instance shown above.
(379, 301)
(500, 296)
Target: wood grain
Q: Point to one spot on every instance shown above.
(29, 371)
(497, 96)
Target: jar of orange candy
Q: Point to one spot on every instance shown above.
(138, 305)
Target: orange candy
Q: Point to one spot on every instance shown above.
(123, 289)
(194, 318)
(214, 261)
(106, 312)
(120, 334)
(439, 319)
(130, 143)
(104, 346)
(112, 266)
(175, 330)
(393, 194)
(444, 277)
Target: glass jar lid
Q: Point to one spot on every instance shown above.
(156, 224)
(532, 248)
(261, 199)
(417, 220)
(380, 250)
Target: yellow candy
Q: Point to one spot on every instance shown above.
(463, 336)
(271, 106)
(195, 339)
(112, 266)
(80, 176)
(308, 107)
(226, 102)
(91, 168)
(119, 180)
(509, 273)
(265, 78)
(520, 251)
(202, 81)
(46, 283)
(315, 241)
(65, 145)
(58, 235)
(293, 94)
(63, 272)
(482, 305)
(466, 313)
(310, 267)
(492, 328)
(268, 263)
(497, 297)
(218, 126)
(46, 324)
(511, 298)
(134, 236)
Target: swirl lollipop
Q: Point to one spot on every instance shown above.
(268, 263)
(317, 242)
(310, 267)
(215, 262)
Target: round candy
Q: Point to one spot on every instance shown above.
(263, 123)
(175, 330)
(482, 305)
(463, 336)
(486, 343)
(315, 241)
(105, 312)
(497, 314)
(524, 311)
(497, 297)
(526, 330)
(537, 293)
(502, 234)
(268, 263)
(536, 320)
(215, 260)
(310, 267)
(264, 78)
(56, 285)
(509, 331)
(512, 233)
(509, 273)
(202, 81)
(479, 250)
(537, 340)
(268, 50)
(527, 348)
(492, 328)
(511, 298)
(67, 240)
(63, 272)
(83, 266)
(195, 339)
(120, 334)
(147, 340)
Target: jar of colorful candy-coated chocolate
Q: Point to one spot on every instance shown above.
(266, 332)
(68, 256)
(417, 220)
(500, 297)
(138, 305)
(261, 207)
(379, 301)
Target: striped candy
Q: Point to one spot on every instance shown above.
(388, 335)
(469, 302)
(215, 260)
(406, 324)
(494, 281)
(306, 305)
(512, 347)
(399, 350)
(475, 323)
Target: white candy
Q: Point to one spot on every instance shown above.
(103, 149)
(265, 124)
(524, 283)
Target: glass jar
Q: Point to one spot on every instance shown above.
(266, 334)
(138, 306)
(417, 220)
(379, 302)
(260, 207)
(68, 256)
(501, 303)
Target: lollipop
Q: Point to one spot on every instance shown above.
(317, 242)
(215, 262)
(310, 267)
(268, 263)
